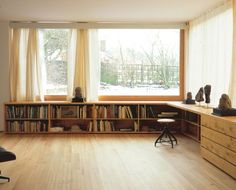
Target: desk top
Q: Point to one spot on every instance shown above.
(201, 110)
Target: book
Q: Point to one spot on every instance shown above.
(152, 112)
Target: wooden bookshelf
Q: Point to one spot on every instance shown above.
(94, 117)
(26, 118)
(191, 125)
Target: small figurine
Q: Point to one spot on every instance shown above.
(207, 91)
(225, 102)
(189, 99)
(199, 96)
(189, 96)
(78, 95)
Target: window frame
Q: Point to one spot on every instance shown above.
(180, 97)
(156, 98)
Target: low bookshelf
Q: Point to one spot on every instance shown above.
(88, 117)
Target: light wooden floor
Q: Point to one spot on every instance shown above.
(107, 162)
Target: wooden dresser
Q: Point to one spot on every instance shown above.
(218, 142)
(218, 137)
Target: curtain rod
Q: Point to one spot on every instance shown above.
(101, 25)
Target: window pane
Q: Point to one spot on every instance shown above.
(55, 45)
(139, 61)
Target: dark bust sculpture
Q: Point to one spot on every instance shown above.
(199, 95)
(224, 107)
(189, 96)
(189, 99)
(207, 91)
(225, 102)
(78, 95)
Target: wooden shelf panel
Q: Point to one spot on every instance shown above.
(27, 132)
(191, 136)
(71, 119)
(192, 123)
(116, 119)
(27, 119)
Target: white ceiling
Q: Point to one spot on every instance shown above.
(105, 10)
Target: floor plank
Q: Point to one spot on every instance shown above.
(108, 162)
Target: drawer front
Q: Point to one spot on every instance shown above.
(223, 140)
(225, 127)
(219, 150)
(219, 162)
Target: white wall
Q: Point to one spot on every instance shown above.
(4, 69)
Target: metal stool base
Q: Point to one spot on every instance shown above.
(166, 133)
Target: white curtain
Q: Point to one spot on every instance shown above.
(83, 63)
(77, 61)
(93, 68)
(233, 73)
(14, 71)
(25, 68)
(210, 52)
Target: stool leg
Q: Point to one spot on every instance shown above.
(174, 138)
(171, 135)
(160, 137)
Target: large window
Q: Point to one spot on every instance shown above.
(55, 51)
(133, 62)
(140, 62)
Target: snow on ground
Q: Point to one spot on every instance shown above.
(142, 90)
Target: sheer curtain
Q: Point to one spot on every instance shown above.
(83, 63)
(93, 69)
(233, 73)
(77, 61)
(25, 67)
(14, 71)
(210, 52)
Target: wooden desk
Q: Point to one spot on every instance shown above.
(218, 137)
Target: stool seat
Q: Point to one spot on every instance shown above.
(166, 132)
(165, 120)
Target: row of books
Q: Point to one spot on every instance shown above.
(104, 126)
(27, 126)
(116, 111)
(40, 112)
(71, 112)
(109, 126)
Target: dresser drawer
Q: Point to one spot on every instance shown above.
(217, 137)
(226, 127)
(219, 162)
(219, 150)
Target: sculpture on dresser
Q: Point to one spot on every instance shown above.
(199, 96)
(207, 92)
(189, 99)
(225, 102)
(78, 95)
(224, 107)
(189, 96)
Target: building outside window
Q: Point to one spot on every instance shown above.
(139, 62)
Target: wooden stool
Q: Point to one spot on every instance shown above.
(166, 132)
